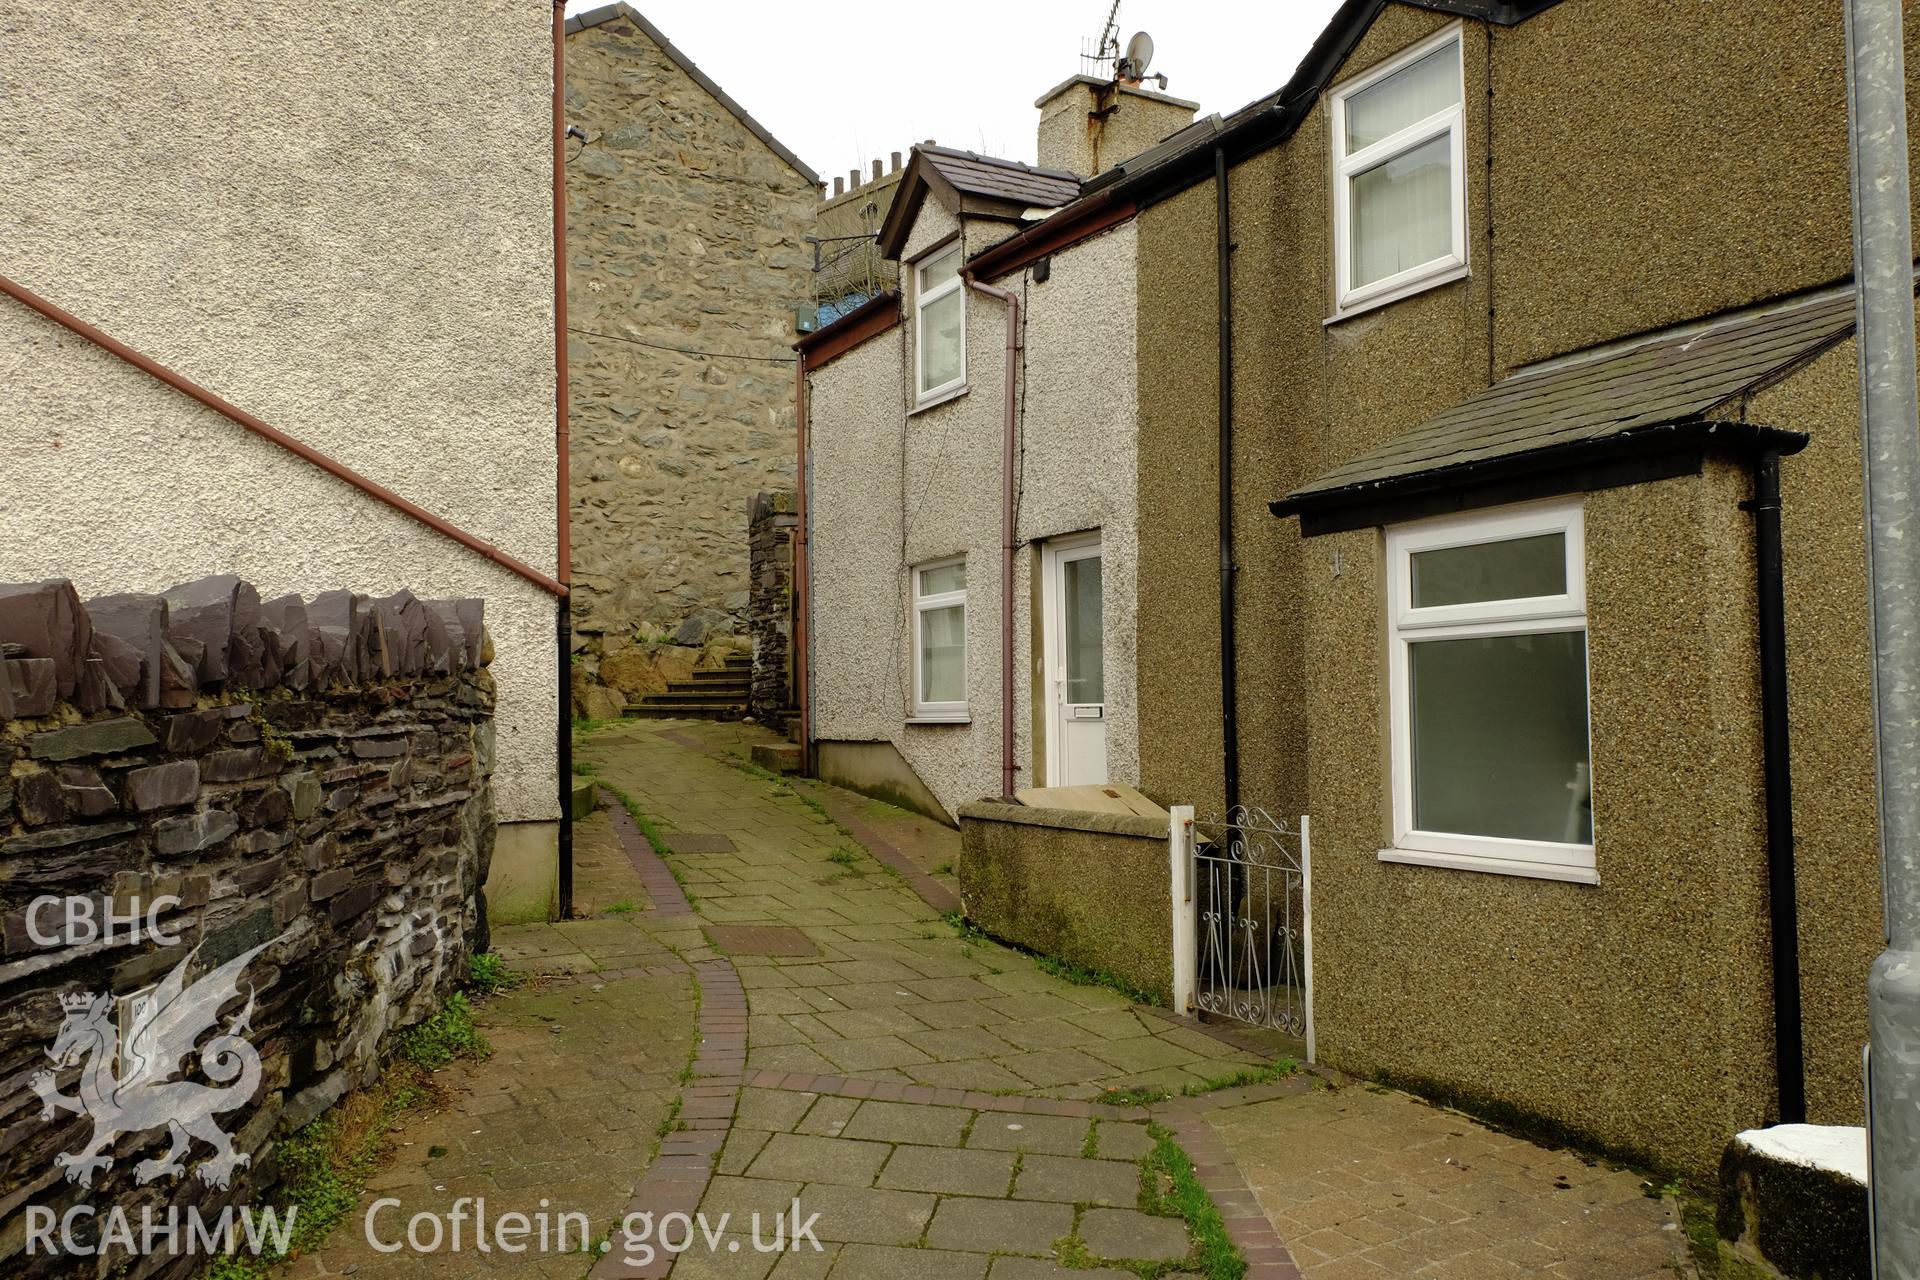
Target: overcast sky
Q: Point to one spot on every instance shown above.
(842, 82)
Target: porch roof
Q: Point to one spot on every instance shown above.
(1683, 381)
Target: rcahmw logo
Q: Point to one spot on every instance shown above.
(149, 1040)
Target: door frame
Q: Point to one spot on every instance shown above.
(1052, 658)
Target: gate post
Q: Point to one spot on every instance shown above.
(1186, 946)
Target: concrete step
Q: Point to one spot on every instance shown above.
(777, 757)
(688, 711)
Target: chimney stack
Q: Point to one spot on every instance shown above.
(1088, 125)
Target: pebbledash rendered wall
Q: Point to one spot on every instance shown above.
(891, 489)
(369, 271)
(686, 265)
(307, 780)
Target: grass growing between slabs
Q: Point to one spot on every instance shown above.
(1168, 1189)
(325, 1166)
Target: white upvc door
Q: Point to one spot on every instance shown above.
(1074, 651)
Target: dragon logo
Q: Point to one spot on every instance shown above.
(163, 1028)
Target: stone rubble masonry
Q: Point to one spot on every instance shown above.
(770, 525)
(311, 775)
(685, 234)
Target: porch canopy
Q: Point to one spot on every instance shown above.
(1645, 409)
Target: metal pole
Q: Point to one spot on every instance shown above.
(1890, 449)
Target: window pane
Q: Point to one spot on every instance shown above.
(938, 270)
(943, 578)
(1402, 212)
(1515, 569)
(943, 654)
(940, 330)
(1500, 737)
(1086, 671)
(1406, 97)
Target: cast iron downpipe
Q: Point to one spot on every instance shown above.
(1006, 523)
(802, 571)
(563, 540)
(1229, 672)
(1782, 900)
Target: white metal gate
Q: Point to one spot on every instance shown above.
(1243, 919)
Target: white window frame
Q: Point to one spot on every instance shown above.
(1450, 123)
(938, 712)
(922, 298)
(1539, 615)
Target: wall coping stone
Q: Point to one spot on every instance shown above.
(1116, 824)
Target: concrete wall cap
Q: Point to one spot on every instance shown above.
(1117, 824)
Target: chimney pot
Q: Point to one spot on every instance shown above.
(876, 168)
(839, 186)
(896, 162)
(853, 178)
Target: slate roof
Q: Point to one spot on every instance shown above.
(605, 13)
(1683, 375)
(999, 179)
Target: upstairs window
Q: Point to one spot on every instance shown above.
(1488, 674)
(1400, 186)
(939, 326)
(940, 640)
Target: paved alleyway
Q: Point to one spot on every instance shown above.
(939, 1101)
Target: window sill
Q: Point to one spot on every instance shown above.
(961, 717)
(1492, 865)
(937, 399)
(1400, 294)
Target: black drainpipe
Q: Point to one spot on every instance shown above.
(1784, 909)
(1229, 679)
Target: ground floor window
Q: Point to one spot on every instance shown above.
(1492, 768)
(940, 640)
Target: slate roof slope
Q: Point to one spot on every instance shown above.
(605, 13)
(999, 179)
(1685, 375)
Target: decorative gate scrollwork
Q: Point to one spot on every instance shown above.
(1251, 879)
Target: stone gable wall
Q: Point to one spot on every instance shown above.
(685, 232)
(311, 778)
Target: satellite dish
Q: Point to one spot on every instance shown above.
(1133, 65)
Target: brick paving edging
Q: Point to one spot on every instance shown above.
(1267, 1255)
(931, 891)
(665, 893)
(677, 1179)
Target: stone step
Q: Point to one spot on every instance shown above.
(721, 685)
(688, 711)
(726, 673)
(675, 697)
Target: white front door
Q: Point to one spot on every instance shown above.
(1075, 664)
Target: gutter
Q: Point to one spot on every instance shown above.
(233, 413)
(563, 540)
(1010, 379)
(1079, 221)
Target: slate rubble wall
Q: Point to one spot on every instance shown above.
(310, 777)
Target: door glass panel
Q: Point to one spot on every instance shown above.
(1516, 569)
(1500, 737)
(1086, 677)
(943, 654)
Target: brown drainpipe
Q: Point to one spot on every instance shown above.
(1006, 523)
(563, 532)
(233, 413)
(802, 572)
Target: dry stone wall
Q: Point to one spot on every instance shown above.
(301, 785)
(771, 520)
(685, 244)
